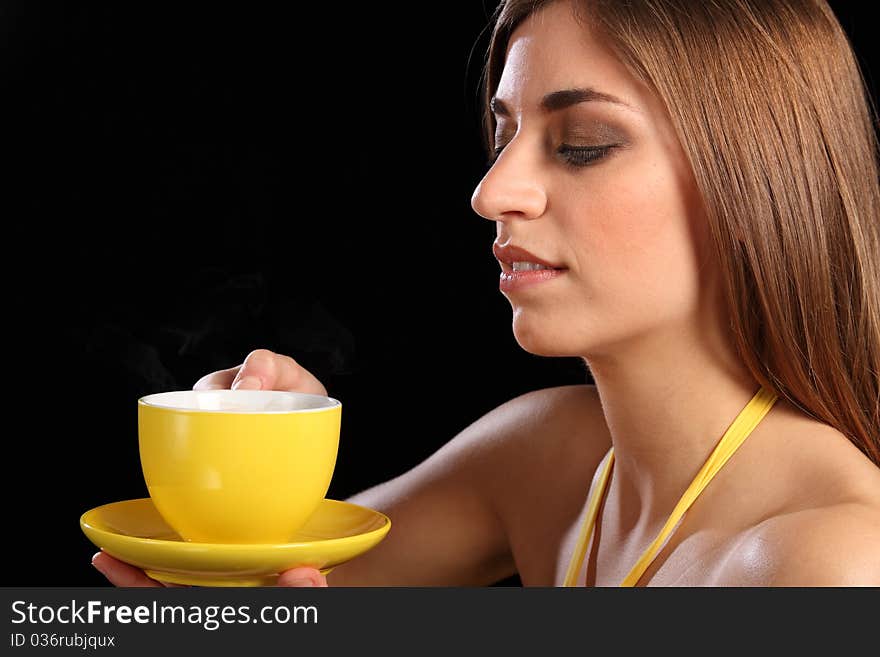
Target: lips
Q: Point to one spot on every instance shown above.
(508, 254)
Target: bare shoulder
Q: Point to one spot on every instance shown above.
(514, 437)
(829, 535)
(536, 420)
(835, 541)
(541, 469)
(539, 437)
(530, 446)
(461, 516)
(545, 437)
(834, 546)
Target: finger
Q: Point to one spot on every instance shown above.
(120, 573)
(219, 380)
(302, 576)
(265, 370)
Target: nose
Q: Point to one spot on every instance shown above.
(511, 189)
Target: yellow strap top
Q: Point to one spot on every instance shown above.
(735, 435)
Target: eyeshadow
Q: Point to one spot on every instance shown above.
(593, 132)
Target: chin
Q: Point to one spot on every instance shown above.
(541, 341)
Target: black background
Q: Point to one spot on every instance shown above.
(185, 184)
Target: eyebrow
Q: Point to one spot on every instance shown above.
(559, 100)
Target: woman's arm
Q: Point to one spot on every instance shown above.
(445, 530)
(509, 484)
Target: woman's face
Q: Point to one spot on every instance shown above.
(601, 189)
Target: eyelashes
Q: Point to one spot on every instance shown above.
(581, 156)
(575, 156)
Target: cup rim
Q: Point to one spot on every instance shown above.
(152, 399)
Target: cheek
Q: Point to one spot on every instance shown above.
(638, 242)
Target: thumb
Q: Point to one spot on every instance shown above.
(303, 576)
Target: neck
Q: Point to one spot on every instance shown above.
(666, 405)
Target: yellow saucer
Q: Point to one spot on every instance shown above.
(134, 532)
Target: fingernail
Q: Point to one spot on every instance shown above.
(299, 582)
(97, 566)
(248, 383)
(95, 556)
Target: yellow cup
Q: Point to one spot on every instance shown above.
(237, 466)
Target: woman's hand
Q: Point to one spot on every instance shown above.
(122, 574)
(261, 370)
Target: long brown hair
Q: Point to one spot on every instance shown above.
(771, 108)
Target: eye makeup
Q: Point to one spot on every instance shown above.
(578, 142)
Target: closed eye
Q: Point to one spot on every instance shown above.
(581, 156)
(576, 156)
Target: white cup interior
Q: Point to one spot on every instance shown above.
(240, 401)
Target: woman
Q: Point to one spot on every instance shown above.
(695, 188)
